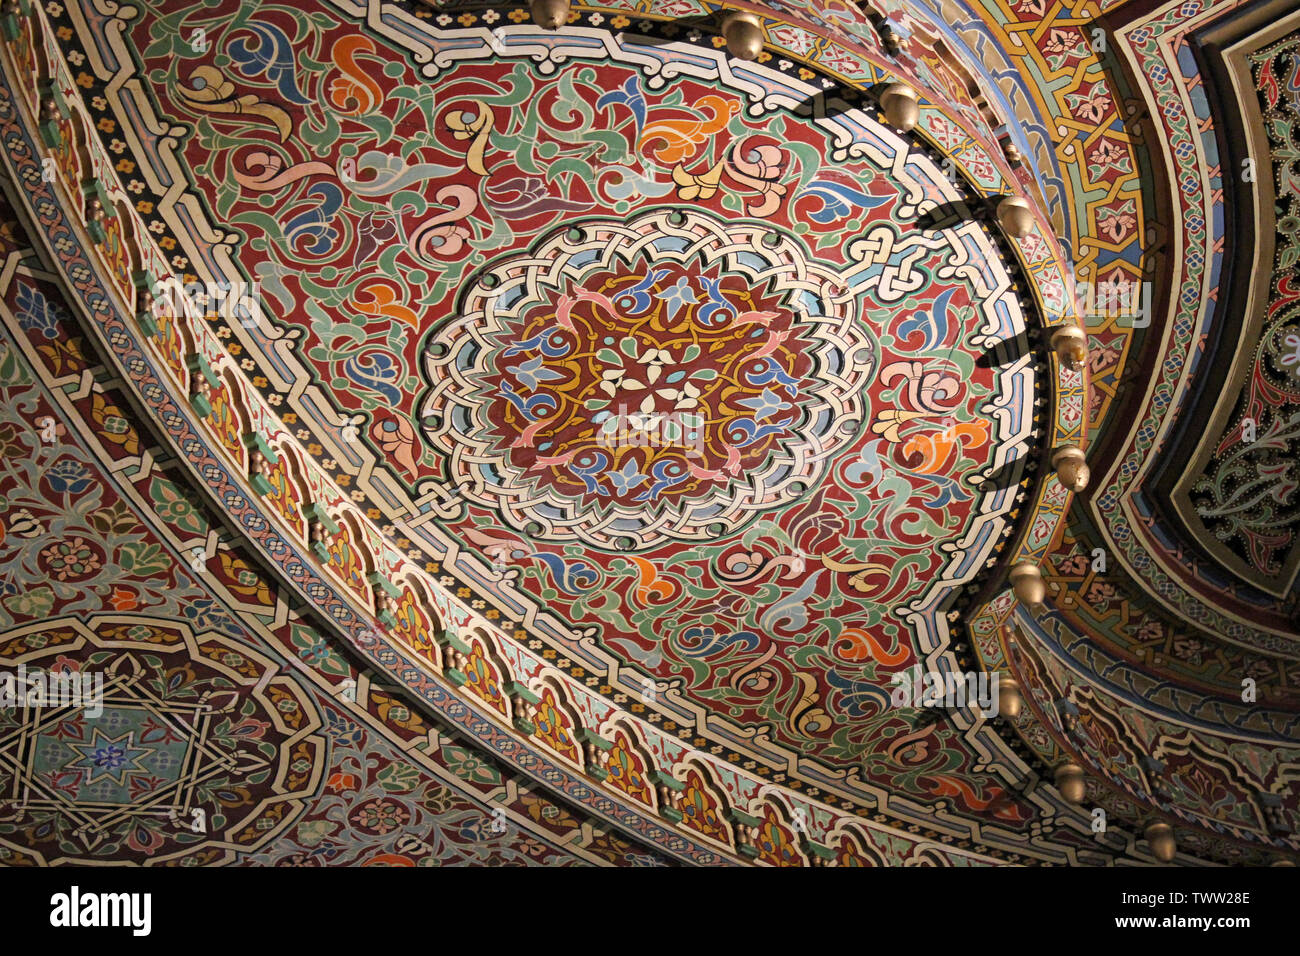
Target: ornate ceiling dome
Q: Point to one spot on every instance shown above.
(767, 434)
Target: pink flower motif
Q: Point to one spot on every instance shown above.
(380, 816)
(1075, 564)
(1102, 358)
(1060, 41)
(1092, 106)
(70, 559)
(1115, 224)
(1100, 593)
(1151, 631)
(66, 665)
(1106, 153)
(144, 839)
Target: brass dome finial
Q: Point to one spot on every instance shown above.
(1027, 582)
(1070, 343)
(743, 32)
(900, 105)
(1160, 837)
(1071, 468)
(1071, 782)
(1016, 217)
(1010, 701)
(549, 14)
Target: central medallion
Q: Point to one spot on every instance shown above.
(631, 383)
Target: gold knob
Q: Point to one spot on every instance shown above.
(744, 35)
(1071, 782)
(1071, 468)
(550, 14)
(1010, 701)
(899, 103)
(1070, 343)
(1015, 216)
(1160, 837)
(1027, 582)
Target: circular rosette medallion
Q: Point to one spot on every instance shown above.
(667, 378)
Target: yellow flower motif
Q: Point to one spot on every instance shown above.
(244, 581)
(620, 22)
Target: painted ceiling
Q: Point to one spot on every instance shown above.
(462, 442)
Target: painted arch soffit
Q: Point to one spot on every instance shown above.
(199, 571)
(1179, 570)
(1219, 496)
(972, 275)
